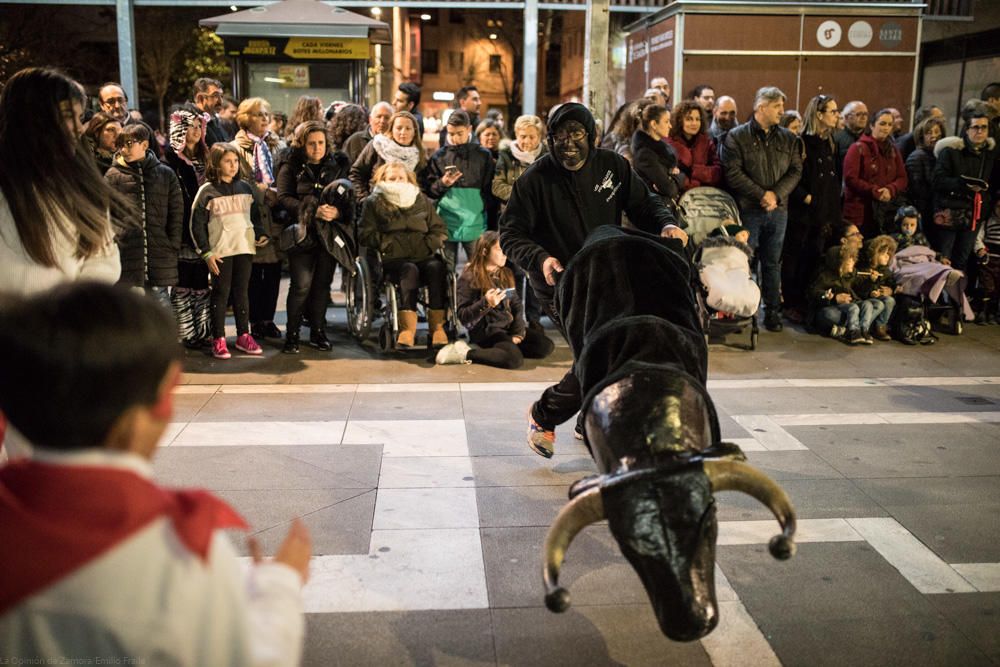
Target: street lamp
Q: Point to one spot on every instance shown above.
(376, 11)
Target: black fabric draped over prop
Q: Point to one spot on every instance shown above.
(626, 304)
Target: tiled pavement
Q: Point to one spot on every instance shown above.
(428, 513)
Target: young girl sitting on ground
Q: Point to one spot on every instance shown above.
(490, 309)
(838, 309)
(224, 223)
(876, 284)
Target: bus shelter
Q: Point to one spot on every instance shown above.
(299, 47)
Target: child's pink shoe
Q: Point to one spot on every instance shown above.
(219, 349)
(248, 345)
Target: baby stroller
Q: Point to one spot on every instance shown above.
(727, 297)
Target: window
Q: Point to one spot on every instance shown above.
(456, 61)
(496, 64)
(429, 61)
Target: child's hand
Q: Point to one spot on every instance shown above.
(886, 291)
(262, 241)
(214, 263)
(876, 293)
(843, 298)
(981, 252)
(296, 550)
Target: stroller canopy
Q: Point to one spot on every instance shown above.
(707, 209)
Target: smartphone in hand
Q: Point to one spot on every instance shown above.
(510, 292)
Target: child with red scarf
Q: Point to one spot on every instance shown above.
(101, 563)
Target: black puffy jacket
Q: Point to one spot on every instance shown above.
(756, 161)
(654, 161)
(149, 251)
(957, 158)
(920, 181)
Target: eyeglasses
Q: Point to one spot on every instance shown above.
(114, 102)
(833, 111)
(979, 128)
(129, 143)
(575, 135)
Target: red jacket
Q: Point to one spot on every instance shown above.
(866, 170)
(699, 161)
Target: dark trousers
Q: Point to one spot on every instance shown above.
(956, 245)
(411, 275)
(312, 275)
(499, 350)
(767, 237)
(265, 281)
(801, 256)
(561, 401)
(234, 277)
(532, 311)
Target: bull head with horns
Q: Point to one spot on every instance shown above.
(653, 433)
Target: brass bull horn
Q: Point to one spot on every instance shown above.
(577, 514)
(735, 476)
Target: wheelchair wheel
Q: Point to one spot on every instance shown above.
(361, 300)
(386, 339)
(389, 330)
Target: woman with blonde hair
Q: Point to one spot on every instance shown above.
(257, 145)
(400, 143)
(401, 223)
(488, 306)
(514, 159)
(518, 155)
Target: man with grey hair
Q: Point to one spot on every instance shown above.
(763, 163)
(378, 123)
(723, 117)
(855, 122)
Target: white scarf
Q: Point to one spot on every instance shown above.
(390, 151)
(525, 157)
(400, 195)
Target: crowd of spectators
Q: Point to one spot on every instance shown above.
(799, 180)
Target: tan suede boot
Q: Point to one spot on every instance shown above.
(407, 328)
(435, 324)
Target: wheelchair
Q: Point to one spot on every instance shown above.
(374, 299)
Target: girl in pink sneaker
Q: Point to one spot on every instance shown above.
(225, 222)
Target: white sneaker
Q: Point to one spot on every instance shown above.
(453, 353)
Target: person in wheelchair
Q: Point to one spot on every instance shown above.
(301, 180)
(400, 222)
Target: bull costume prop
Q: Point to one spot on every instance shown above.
(629, 315)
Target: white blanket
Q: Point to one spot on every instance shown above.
(725, 273)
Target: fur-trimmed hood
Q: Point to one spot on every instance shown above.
(959, 143)
(723, 241)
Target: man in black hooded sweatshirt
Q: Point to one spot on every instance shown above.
(554, 205)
